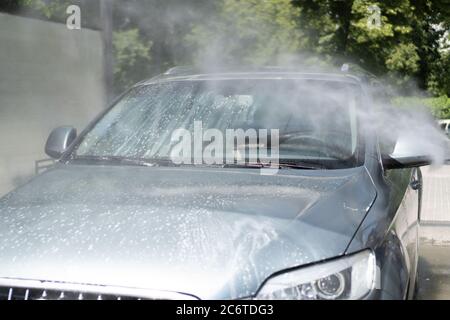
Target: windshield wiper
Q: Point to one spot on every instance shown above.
(251, 165)
(302, 165)
(282, 165)
(151, 162)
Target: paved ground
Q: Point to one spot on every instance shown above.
(434, 272)
(434, 261)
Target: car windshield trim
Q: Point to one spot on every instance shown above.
(312, 164)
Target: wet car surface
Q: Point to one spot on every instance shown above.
(215, 232)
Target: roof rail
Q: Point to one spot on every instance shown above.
(358, 71)
(179, 70)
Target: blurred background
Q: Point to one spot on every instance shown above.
(53, 74)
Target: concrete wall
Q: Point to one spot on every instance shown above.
(49, 76)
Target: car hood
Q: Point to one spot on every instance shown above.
(211, 233)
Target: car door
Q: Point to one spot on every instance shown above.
(413, 217)
(407, 183)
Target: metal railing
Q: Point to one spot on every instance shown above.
(42, 165)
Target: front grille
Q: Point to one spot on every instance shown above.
(22, 289)
(45, 294)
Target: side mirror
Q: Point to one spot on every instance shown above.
(58, 141)
(408, 153)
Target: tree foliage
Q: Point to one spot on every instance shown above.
(404, 45)
(438, 106)
(131, 53)
(247, 32)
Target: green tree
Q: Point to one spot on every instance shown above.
(247, 32)
(165, 24)
(131, 53)
(439, 80)
(404, 46)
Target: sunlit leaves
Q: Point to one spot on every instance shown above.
(250, 32)
(131, 52)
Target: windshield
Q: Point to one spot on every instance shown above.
(316, 120)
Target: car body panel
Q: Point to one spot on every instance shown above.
(391, 230)
(207, 232)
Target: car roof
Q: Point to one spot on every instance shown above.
(192, 74)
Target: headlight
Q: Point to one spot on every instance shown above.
(351, 277)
